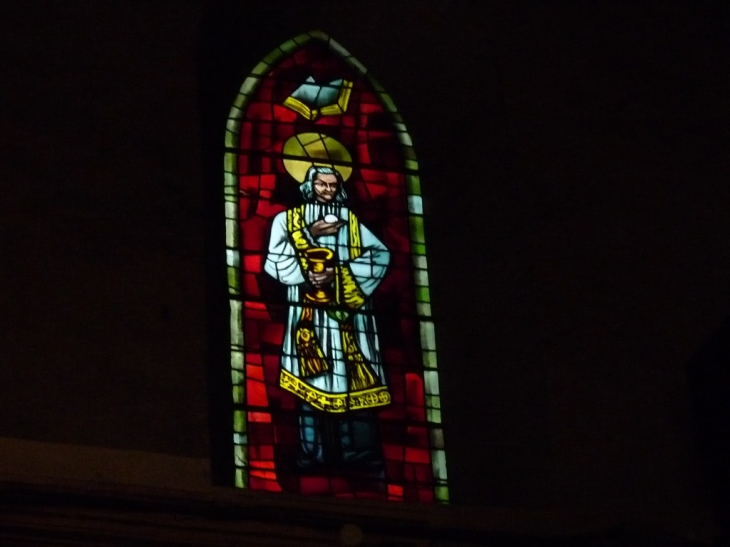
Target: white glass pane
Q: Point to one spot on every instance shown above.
(231, 210)
(237, 360)
(249, 85)
(231, 233)
(236, 331)
(423, 309)
(405, 138)
(415, 205)
(240, 455)
(431, 379)
(422, 278)
(232, 258)
(438, 462)
(232, 125)
(338, 48)
(437, 438)
(428, 338)
(419, 261)
(358, 65)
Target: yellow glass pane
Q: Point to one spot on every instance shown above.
(239, 421)
(288, 46)
(429, 359)
(417, 234)
(241, 478)
(229, 162)
(414, 184)
(433, 415)
(442, 493)
(261, 69)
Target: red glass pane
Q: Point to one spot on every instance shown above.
(417, 455)
(260, 417)
(261, 433)
(393, 452)
(287, 434)
(255, 371)
(417, 436)
(256, 310)
(422, 473)
(253, 358)
(267, 483)
(256, 393)
(251, 335)
(315, 485)
(273, 333)
(394, 470)
(425, 495)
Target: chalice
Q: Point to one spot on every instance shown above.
(318, 259)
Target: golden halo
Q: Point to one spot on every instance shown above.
(315, 149)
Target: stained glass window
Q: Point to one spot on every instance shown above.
(333, 361)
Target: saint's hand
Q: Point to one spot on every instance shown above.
(322, 228)
(322, 278)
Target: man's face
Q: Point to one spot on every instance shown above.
(325, 187)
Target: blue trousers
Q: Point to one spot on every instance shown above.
(331, 439)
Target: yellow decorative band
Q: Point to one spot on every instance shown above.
(334, 402)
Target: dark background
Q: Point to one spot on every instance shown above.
(575, 169)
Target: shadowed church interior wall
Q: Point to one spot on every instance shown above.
(574, 171)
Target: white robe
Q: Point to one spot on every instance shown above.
(368, 269)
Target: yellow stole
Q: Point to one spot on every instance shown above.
(348, 297)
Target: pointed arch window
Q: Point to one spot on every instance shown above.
(333, 354)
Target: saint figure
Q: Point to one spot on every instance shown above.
(331, 265)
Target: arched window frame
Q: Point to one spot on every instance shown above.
(418, 253)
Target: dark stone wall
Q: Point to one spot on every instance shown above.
(575, 166)
(102, 277)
